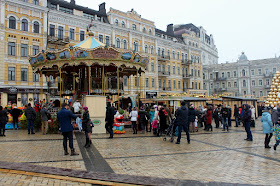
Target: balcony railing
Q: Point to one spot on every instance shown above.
(164, 58)
(186, 62)
(220, 79)
(187, 75)
(163, 73)
(57, 40)
(268, 75)
(267, 86)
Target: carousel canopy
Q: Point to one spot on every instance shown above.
(90, 43)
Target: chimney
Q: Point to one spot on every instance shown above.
(102, 8)
(170, 29)
(72, 2)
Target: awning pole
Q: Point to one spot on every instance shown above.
(60, 86)
(118, 86)
(103, 82)
(89, 82)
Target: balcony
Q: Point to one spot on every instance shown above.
(163, 74)
(270, 75)
(186, 62)
(220, 79)
(267, 86)
(187, 75)
(58, 41)
(163, 58)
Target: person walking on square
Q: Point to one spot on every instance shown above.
(45, 117)
(274, 115)
(246, 118)
(225, 117)
(277, 134)
(192, 114)
(267, 127)
(143, 119)
(110, 112)
(15, 112)
(209, 119)
(64, 117)
(216, 116)
(229, 116)
(133, 118)
(87, 127)
(182, 120)
(162, 120)
(3, 121)
(253, 117)
(30, 115)
(236, 115)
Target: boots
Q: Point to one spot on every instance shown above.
(66, 152)
(73, 153)
(274, 147)
(87, 145)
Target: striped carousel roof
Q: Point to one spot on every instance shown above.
(89, 43)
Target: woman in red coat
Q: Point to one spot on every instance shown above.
(209, 119)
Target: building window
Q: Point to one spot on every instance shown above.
(223, 85)
(24, 25)
(11, 49)
(245, 92)
(252, 72)
(123, 24)
(12, 22)
(163, 83)
(274, 70)
(253, 83)
(260, 71)
(150, 31)
(254, 93)
(234, 73)
(52, 30)
(159, 68)
(178, 55)
(152, 50)
(36, 27)
(147, 82)
(125, 80)
(235, 84)
(211, 86)
(173, 54)
(174, 84)
(162, 53)
(174, 70)
(159, 83)
(107, 40)
(267, 82)
(124, 44)
(36, 77)
(23, 50)
(228, 74)
(11, 73)
(153, 82)
(260, 82)
(179, 71)
(146, 49)
(118, 42)
(168, 69)
(229, 84)
(266, 71)
(100, 38)
(116, 22)
(169, 83)
(23, 74)
(36, 2)
(144, 30)
(244, 83)
(198, 73)
(35, 49)
(261, 93)
(133, 27)
(211, 76)
(135, 46)
(60, 32)
(82, 35)
(136, 81)
(243, 72)
(183, 56)
(179, 84)
(168, 53)
(72, 34)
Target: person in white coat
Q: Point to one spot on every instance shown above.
(133, 118)
(77, 107)
(253, 113)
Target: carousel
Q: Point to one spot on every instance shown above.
(89, 68)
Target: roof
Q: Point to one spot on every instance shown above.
(169, 99)
(193, 99)
(189, 26)
(239, 98)
(89, 43)
(163, 32)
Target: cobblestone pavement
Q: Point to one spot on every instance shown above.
(211, 157)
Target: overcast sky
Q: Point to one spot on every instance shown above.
(252, 26)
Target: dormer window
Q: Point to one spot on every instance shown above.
(133, 27)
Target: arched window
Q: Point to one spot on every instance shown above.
(150, 31)
(152, 50)
(243, 72)
(133, 26)
(244, 83)
(198, 59)
(144, 30)
(36, 27)
(158, 51)
(118, 43)
(116, 22)
(12, 22)
(146, 49)
(123, 24)
(190, 43)
(162, 53)
(135, 46)
(124, 44)
(24, 25)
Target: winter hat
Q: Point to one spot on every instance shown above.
(85, 108)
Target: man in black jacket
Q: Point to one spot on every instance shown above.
(182, 121)
(15, 114)
(216, 116)
(225, 113)
(246, 118)
(236, 115)
(30, 115)
(109, 119)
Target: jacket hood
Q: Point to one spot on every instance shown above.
(183, 107)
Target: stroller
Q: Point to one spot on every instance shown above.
(170, 131)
